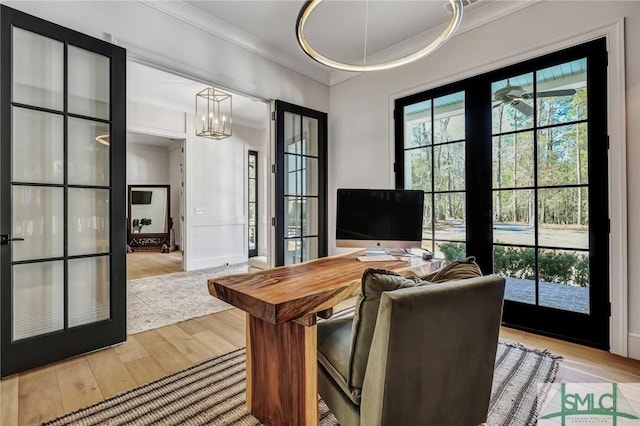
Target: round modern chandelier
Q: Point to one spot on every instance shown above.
(309, 7)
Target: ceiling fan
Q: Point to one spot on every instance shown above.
(513, 95)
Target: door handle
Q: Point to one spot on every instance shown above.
(4, 239)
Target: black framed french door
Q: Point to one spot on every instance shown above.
(301, 184)
(252, 202)
(516, 164)
(62, 193)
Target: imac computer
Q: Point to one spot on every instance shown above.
(379, 220)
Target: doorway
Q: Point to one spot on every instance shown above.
(526, 189)
(155, 211)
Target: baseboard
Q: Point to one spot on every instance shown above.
(633, 345)
(212, 262)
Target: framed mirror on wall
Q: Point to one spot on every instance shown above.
(148, 220)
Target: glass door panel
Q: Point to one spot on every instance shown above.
(62, 251)
(417, 163)
(38, 299)
(449, 216)
(564, 280)
(512, 102)
(292, 133)
(88, 153)
(310, 136)
(38, 139)
(88, 216)
(302, 175)
(300, 184)
(37, 214)
(88, 290)
(38, 70)
(88, 83)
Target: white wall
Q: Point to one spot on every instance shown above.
(147, 165)
(216, 185)
(360, 112)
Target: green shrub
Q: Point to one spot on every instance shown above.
(555, 267)
(582, 270)
(453, 251)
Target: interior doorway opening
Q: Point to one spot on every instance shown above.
(155, 200)
(208, 179)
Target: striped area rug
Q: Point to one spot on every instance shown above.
(213, 393)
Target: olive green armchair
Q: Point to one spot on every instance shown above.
(415, 353)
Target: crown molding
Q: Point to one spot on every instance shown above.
(190, 15)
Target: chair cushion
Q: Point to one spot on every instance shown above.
(374, 283)
(456, 270)
(334, 342)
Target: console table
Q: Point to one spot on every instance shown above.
(281, 306)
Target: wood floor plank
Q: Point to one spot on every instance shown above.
(111, 374)
(191, 327)
(217, 344)
(131, 350)
(167, 355)
(78, 385)
(144, 264)
(39, 396)
(9, 401)
(234, 318)
(145, 370)
(190, 347)
(581, 363)
(231, 334)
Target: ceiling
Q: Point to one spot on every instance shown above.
(336, 28)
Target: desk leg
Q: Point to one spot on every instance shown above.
(282, 373)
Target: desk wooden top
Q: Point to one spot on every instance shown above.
(290, 292)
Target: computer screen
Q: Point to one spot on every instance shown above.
(379, 218)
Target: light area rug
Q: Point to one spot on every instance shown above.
(213, 393)
(168, 299)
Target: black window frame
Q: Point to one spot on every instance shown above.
(590, 329)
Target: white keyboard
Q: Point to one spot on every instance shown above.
(377, 258)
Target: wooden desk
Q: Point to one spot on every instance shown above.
(281, 305)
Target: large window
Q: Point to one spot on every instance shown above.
(434, 158)
(541, 186)
(514, 168)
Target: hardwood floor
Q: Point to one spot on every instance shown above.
(143, 264)
(45, 393)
